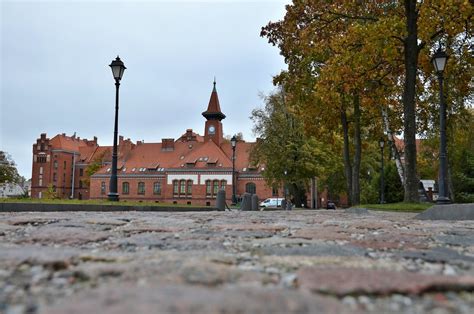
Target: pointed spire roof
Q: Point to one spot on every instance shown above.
(213, 111)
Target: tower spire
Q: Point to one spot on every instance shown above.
(213, 111)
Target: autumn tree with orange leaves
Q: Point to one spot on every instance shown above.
(362, 68)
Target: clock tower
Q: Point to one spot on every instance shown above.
(214, 116)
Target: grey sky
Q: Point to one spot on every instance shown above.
(55, 78)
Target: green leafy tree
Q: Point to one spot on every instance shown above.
(393, 191)
(93, 167)
(461, 157)
(290, 157)
(51, 193)
(8, 171)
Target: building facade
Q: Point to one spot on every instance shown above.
(188, 170)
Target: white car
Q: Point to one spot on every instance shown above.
(271, 202)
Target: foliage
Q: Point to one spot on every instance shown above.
(378, 52)
(239, 136)
(461, 153)
(93, 167)
(393, 191)
(8, 171)
(51, 193)
(289, 156)
(370, 191)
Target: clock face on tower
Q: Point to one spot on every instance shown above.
(212, 129)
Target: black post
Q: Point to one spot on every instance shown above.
(382, 183)
(234, 198)
(443, 197)
(113, 191)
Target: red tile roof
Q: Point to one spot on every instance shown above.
(197, 155)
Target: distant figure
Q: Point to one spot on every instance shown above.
(330, 205)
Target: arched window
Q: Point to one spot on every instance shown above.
(223, 184)
(215, 187)
(189, 188)
(125, 188)
(175, 187)
(182, 187)
(157, 188)
(208, 188)
(251, 188)
(141, 187)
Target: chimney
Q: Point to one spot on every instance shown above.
(167, 144)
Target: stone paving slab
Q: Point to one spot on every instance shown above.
(234, 262)
(448, 212)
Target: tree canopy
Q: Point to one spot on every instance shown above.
(352, 63)
(8, 171)
(289, 155)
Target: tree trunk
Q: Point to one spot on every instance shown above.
(393, 147)
(346, 155)
(409, 104)
(357, 153)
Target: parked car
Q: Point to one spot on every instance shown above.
(331, 205)
(271, 202)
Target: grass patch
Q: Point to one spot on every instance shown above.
(398, 207)
(93, 202)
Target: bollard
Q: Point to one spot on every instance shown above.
(246, 202)
(220, 200)
(254, 202)
(283, 204)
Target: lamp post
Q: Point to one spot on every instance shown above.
(233, 142)
(382, 184)
(284, 184)
(117, 70)
(439, 60)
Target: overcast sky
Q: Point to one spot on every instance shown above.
(55, 78)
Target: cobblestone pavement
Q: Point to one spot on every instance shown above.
(234, 262)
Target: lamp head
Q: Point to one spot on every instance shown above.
(117, 68)
(381, 142)
(439, 60)
(233, 141)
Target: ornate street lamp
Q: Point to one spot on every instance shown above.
(382, 185)
(233, 142)
(117, 70)
(439, 60)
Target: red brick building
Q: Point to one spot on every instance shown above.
(187, 170)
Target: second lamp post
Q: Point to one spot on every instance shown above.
(439, 61)
(382, 183)
(233, 142)
(117, 70)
